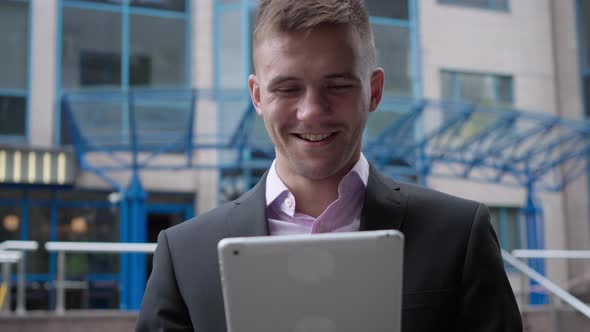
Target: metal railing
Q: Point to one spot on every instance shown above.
(543, 281)
(87, 247)
(7, 258)
(15, 252)
(568, 254)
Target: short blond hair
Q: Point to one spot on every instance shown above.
(281, 16)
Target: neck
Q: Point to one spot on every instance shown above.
(313, 196)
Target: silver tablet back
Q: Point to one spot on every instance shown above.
(326, 282)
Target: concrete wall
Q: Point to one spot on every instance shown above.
(206, 183)
(43, 66)
(569, 104)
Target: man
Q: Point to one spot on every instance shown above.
(315, 84)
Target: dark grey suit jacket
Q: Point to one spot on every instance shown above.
(454, 278)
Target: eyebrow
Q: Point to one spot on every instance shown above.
(283, 78)
(280, 79)
(347, 76)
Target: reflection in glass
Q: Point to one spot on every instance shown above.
(584, 17)
(491, 4)
(10, 223)
(513, 229)
(91, 225)
(505, 221)
(231, 64)
(174, 5)
(90, 56)
(396, 9)
(38, 261)
(157, 51)
(14, 37)
(482, 89)
(392, 53)
(39, 230)
(13, 112)
(113, 2)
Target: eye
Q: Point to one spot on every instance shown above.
(339, 86)
(286, 91)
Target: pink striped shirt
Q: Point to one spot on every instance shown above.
(342, 215)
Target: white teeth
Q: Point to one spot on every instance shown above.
(314, 138)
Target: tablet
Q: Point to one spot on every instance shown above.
(311, 283)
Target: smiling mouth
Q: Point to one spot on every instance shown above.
(314, 137)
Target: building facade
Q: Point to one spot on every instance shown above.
(526, 54)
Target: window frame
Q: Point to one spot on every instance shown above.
(26, 92)
(501, 232)
(455, 97)
(24, 201)
(491, 5)
(125, 10)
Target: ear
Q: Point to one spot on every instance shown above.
(377, 81)
(254, 92)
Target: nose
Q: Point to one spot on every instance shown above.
(313, 106)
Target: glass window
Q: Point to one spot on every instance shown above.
(92, 225)
(88, 196)
(39, 230)
(171, 198)
(89, 225)
(90, 56)
(114, 2)
(13, 114)
(392, 46)
(587, 95)
(174, 5)
(584, 34)
(157, 54)
(397, 9)
(10, 194)
(505, 221)
(14, 38)
(490, 4)
(483, 89)
(231, 66)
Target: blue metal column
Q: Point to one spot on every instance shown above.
(533, 214)
(135, 282)
(135, 198)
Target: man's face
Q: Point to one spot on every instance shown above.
(314, 92)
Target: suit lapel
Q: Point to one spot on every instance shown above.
(384, 206)
(248, 217)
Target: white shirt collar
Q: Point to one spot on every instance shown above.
(275, 186)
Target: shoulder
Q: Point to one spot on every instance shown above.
(208, 228)
(426, 197)
(206, 224)
(439, 214)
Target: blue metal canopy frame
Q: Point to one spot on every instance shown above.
(505, 146)
(129, 130)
